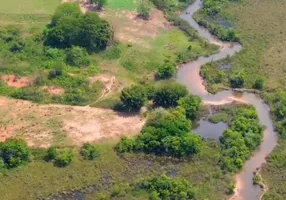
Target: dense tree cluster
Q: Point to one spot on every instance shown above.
(167, 95)
(70, 27)
(243, 136)
(14, 152)
(165, 133)
(163, 187)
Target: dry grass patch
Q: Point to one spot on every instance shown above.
(43, 125)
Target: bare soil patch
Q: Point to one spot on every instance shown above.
(45, 125)
(53, 90)
(15, 81)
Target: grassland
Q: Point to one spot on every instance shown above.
(40, 179)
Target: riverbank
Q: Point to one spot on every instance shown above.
(189, 75)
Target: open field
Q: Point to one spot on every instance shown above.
(45, 125)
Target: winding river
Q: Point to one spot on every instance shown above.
(188, 75)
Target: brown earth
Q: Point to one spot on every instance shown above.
(15, 81)
(45, 125)
(53, 90)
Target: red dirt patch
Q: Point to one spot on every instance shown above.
(16, 82)
(53, 90)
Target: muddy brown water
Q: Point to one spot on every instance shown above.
(188, 75)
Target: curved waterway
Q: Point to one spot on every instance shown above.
(189, 76)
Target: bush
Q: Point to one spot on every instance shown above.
(14, 152)
(168, 94)
(89, 151)
(30, 94)
(57, 70)
(237, 81)
(259, 84)
(191, 105)
(166, 71)
(99, 3)
(51, 154)
(64, 158)
(144, 10)
(133, 98)
(163, 187)
(77, 56)
(125, 145)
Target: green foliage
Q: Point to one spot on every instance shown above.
(243, 136)
(219, 117)
(237, 80)
(168, 94)
(29, 93)
(165, 133)
(125, 145)
(133, 98)
(143, 9)
(89, 151)
(113, 52)
(14, 152)
(99, 3)
(77, 56)
(64, 158)
(56, 71)
(166, 71)
(191, 105)
(51, 154)
(163, 187)
(259, 84)
(69, 27)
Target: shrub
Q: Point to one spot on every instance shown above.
(77, 56)
(125, 145)
(133, 98)
(56, 71)
(191, 105)
(30, 94)
(64, 158)
(89, 151)
(14, 152)
(99, 3)
(237, 81)
(259, 84)
(144, 9)
(166, 71)
(51, 154)
(168, 94)
(75, 97)
(163, 187)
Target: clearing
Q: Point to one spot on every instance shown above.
(43, 125)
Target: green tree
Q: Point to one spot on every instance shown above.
(89, 151)
(191, 105)
(99, 3)
(77, 56)
(133, 98)
(166, 71)
(65, 10)
(69, 28)
(167, 95)
(14, 152)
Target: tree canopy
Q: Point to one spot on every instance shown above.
(133, 98)
(70, 27)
